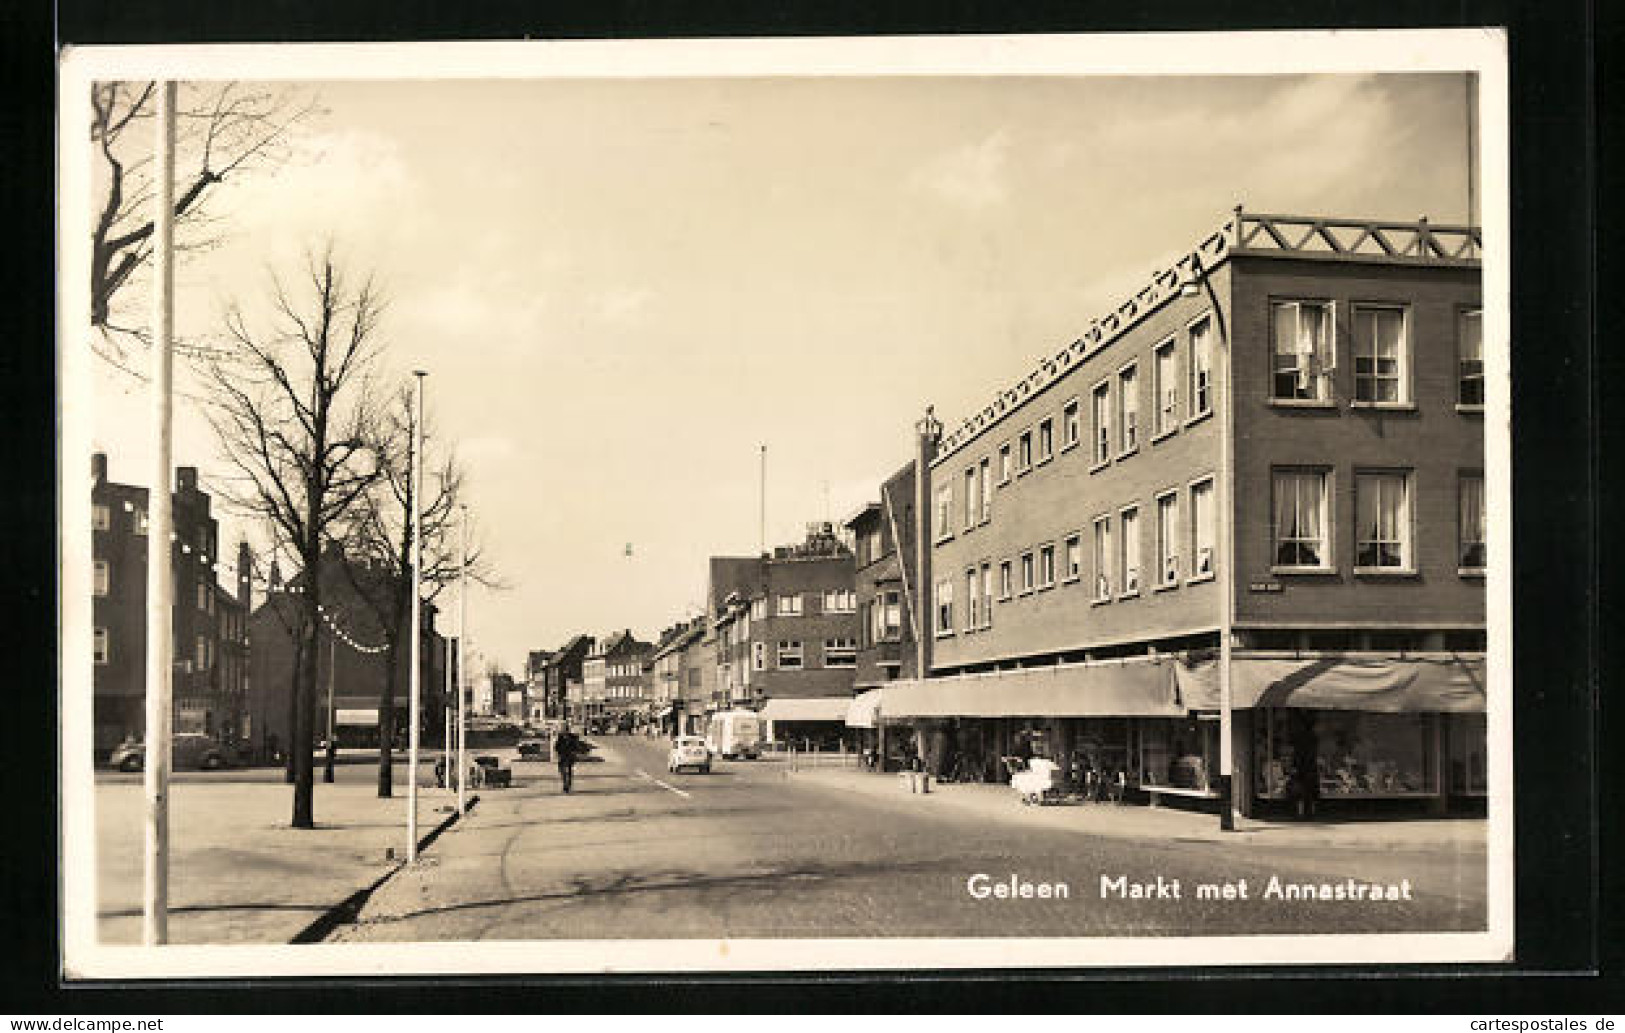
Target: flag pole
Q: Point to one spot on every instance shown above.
(417, 629)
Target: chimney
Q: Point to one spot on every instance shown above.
(275, 576)
(98, 467)
(245, 577)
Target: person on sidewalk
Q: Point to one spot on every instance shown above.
(566, 748)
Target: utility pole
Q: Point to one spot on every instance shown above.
(160, 574)
(417, 622)
(761, 497)
(462, 666)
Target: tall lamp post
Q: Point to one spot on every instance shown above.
(1227, 578)
(332, 664)
(417, 622)
(462, 667)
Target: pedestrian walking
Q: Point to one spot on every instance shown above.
(566, 748)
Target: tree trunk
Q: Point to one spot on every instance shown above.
(293, 706)
(386, 726)
(304, 739)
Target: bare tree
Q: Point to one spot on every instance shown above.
(223, 131)
(292, 407)
(380, 532)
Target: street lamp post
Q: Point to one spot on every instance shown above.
(417, 620)
(332, 662)
(462, 665)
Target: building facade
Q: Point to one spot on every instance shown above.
(210, 648)
(561, 673)
(885, 561)
(1280, 440)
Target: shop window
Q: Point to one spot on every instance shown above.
(1071, 425)
(1382, 522)
(1303, 350)
(1470, 359)
(101, 518)
(1128, 410)
(1467, 641)
(1201, 368)
(1470, 527)
(1167, 387)
(1129, 533)
(1168, 539)
(102, 577)
(1177, 754)
(1468, 741)
(1352, 755)
(1380, 355)
(1300, 519)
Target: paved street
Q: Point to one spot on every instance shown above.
(753, 851)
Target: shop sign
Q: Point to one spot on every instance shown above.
(1264, 586)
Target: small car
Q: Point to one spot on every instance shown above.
(536, 748)
(492, 773)
(188, 750)
(689, 751)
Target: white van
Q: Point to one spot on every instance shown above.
(734, 733)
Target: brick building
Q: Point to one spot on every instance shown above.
(615, 687)
(885, 560)
(210, 641)
(786, 635)
(351, 662)
(1086, 558)
(561, 674)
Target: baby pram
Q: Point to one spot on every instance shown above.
(1039, 782)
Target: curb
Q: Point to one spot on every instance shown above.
(346, 910)
(1284, 836)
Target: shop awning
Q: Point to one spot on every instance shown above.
(1453, 685)
(829, 708)
(864, 710)
(1130, 688)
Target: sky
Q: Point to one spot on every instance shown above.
(621, 289)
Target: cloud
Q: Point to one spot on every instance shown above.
(971, 177)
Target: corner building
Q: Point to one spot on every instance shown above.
(1290, 422)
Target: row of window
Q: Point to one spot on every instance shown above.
(1304, 353)
(838, 652)
(1384, 521)
(202, 659)
(1303, 361)
(101, 519)
(834, 600)
(1115, 571)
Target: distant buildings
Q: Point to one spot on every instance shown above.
(210, 635)
(614, 687)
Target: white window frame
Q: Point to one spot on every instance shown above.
(1464, 373)
(987, 593)
(790, 605)
(945, 512)
(971, 602)
(790, 649)
(758, 655)
(1406, 529)
(1464, 478)
(1128, 409)
(1046, 440)
(1326, 537)
(1166, 392)
(1007, 579)
(101, 644)
(1401, 377)
(840, 600)
(1103, 556)
(945, 607)
(1029, 573)
(1203, 486)
(1046, 566)
(984, 470)
(758, 608)
(102, 578)
(1128, 545)
(1006, 463)
(139, 521)
(1071, 423)
(1100, 423)
(973, 505)
(1201, 386)
(1024, 452)
(1072, 558)
(1168, 539)
(840, 652)
(1306, 378)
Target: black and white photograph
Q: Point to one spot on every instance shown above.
(764, 505)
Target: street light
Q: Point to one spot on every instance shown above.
(417, 610)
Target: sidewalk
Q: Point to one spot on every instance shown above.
(999, 803)
(238, 873)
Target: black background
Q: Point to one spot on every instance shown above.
(1564, 361)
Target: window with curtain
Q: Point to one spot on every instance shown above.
(1202, 367)
(1300, 518)
(1168, 539)
(1129, 529)
(1382, 518)
(1472, 551)
(1470, 358)
(1379, 355)
(1103, 558)
(1128, 409)
(1303, 354)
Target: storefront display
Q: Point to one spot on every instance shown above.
(1353, 754)
(1175, 754)
(1467, 741)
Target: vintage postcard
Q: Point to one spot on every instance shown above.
(800, 505)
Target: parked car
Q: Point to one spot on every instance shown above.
(492, 773)
(537, 748)
(188, 750)
(689, 751)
